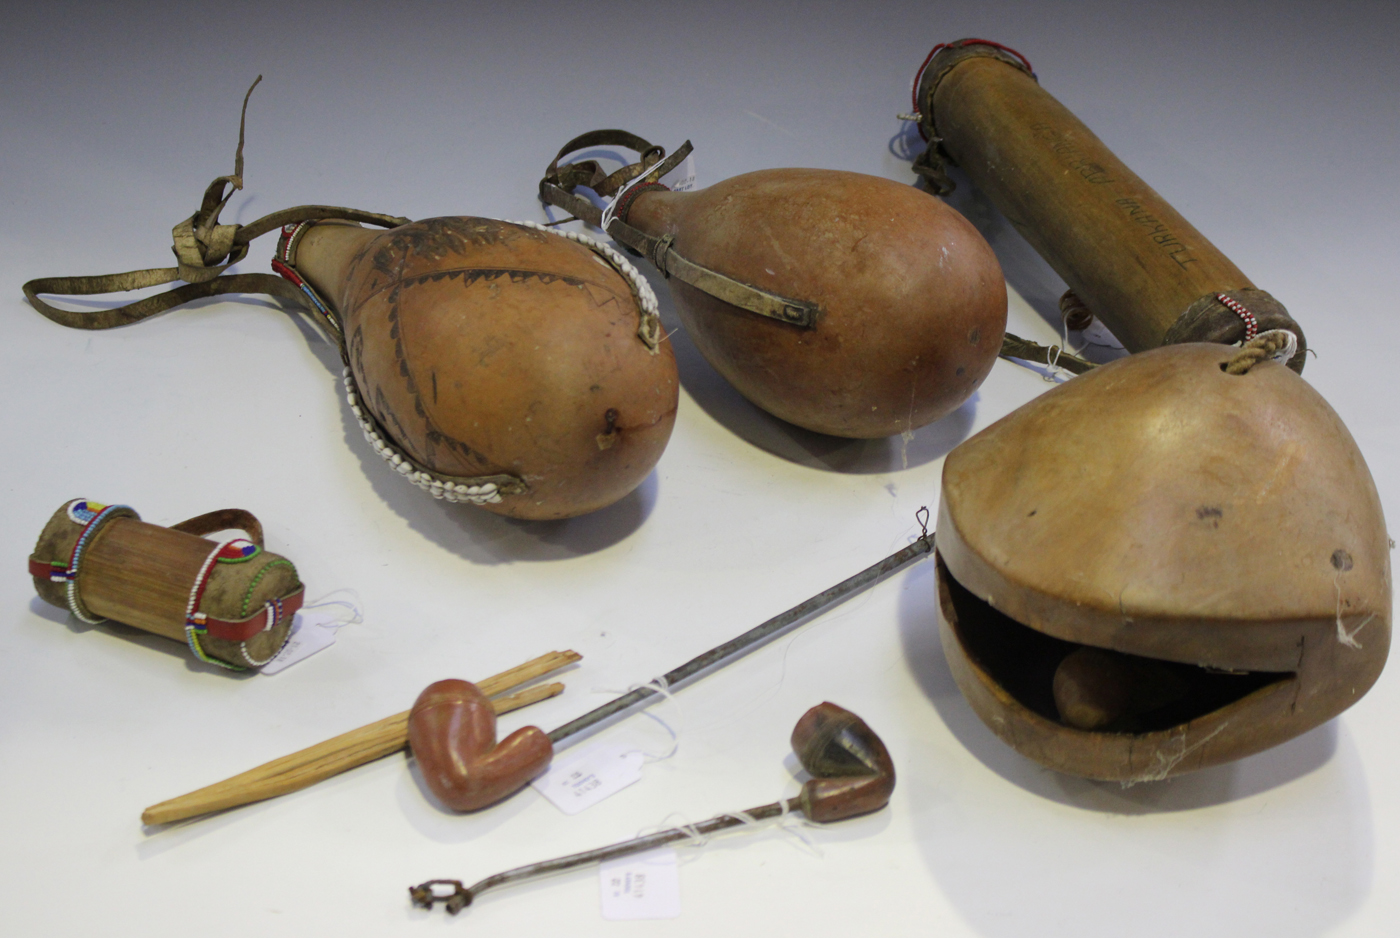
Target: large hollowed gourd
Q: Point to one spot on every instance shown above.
(1160, 566)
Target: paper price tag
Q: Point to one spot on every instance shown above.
(312, 630)
(589, 777)
(647, 885)
(682, 178)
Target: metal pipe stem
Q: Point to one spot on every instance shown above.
(424, 894)
(750, 639)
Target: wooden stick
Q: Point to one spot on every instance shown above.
(343, 752)
(536, 667)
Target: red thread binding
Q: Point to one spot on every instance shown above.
(919, 75)
(1251, 324)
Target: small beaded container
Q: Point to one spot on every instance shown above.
(229, 600)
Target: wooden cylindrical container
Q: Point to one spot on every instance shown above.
(231, 602)
(1132, 259)
(1161, 566)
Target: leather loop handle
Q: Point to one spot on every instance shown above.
(588, 173)
(301, 213)
(212, 283)
(225, 519)
(557, 189)
(204, 249)
(144, 309)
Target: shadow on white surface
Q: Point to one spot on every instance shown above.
(116, 631)
(1278, 844)
(159, 839)
(1298, 865)
(441, 824)
(256, 819)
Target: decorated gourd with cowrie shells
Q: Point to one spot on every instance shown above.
(495, 362)
(490, 362)
(1161, 566)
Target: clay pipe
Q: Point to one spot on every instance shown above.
(373, 741)
(453, 732)
(852, 774)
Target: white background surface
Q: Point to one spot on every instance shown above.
(1271, 126)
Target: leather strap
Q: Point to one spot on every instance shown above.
(240, 630)
(225, 519)
(48, 569)
(588, 173)
(932, 163)
(557, 189)
(1013, 346)
(203, 275)
(143, 309)
(204, 249)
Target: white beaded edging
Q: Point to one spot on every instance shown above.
(271, 609)
(650, 329)
(487, 492)
(437, 488)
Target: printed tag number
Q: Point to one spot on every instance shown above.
(645, 886)
(589, 777)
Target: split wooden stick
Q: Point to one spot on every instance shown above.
(343, 752)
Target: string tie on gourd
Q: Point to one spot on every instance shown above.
(1278, 345)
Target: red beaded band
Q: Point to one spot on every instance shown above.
(1251, 324)
(624, 204)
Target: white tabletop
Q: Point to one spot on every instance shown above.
(1272, 127)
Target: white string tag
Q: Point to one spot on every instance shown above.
(1290, 348)
(644, 886)
(610, 210)
(682, 178)
(598, 772)
(314, 629)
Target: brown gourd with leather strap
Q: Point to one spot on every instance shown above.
(489, 362)
(844, 303)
